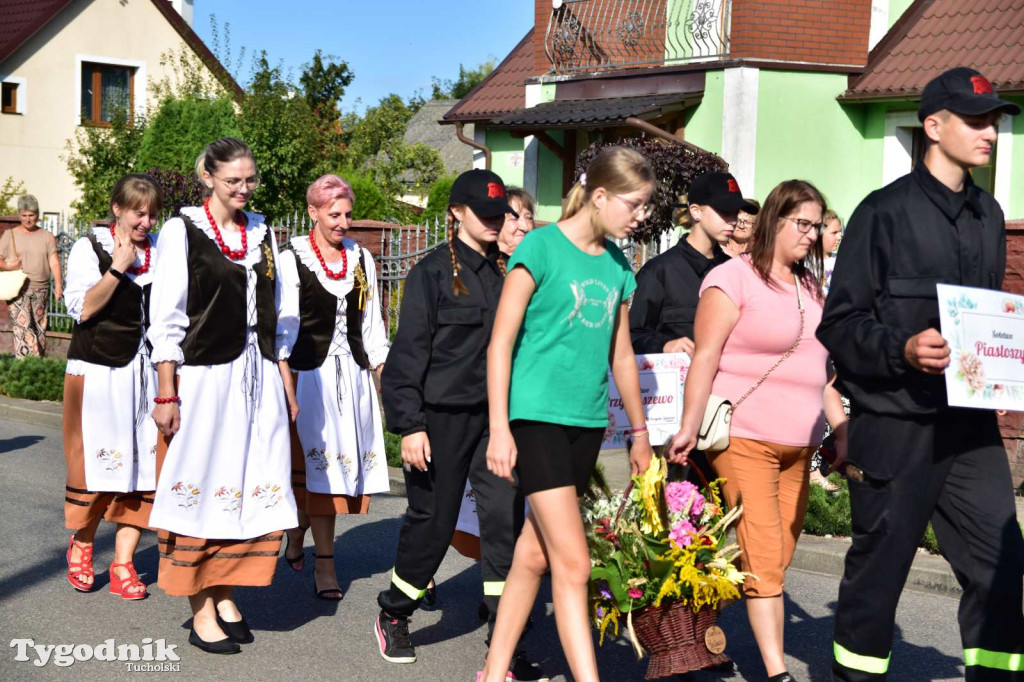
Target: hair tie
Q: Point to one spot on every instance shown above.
(583, 180)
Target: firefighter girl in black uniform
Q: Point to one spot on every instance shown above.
(912, 457)
(435, 396)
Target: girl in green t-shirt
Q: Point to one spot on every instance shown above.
(561, 321)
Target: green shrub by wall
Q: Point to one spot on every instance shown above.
(32, 377)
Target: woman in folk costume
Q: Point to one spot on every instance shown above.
(333, 338)
(223, 496)
(109, 444)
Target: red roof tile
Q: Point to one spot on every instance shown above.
(503, 90)
(935, 35)
(20, 19)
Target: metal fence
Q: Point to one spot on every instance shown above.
(401, 247)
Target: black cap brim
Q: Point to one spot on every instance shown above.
(971, 106)
(732, 203)
(491, 208)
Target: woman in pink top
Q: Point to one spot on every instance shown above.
(751, 311)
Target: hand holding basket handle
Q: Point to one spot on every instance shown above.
(12, 280)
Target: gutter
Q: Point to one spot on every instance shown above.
(474, 144)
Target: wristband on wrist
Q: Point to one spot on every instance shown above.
(116, 273)
(638, 429)
(165, 401)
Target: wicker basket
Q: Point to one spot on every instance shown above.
(673, 635)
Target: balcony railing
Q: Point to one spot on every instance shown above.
(595, 35)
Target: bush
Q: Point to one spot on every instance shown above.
(829, 514)
(179, 189)
(675, 167)
(437, 201)
(370, 202)
(393, 448)
(181, 128)
(32, 377)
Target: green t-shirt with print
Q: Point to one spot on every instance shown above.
(560, 360)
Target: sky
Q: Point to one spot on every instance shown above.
(390, 45)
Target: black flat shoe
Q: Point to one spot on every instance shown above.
(237, 632)
(223, 646)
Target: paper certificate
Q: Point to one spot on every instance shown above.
(985, 332)
(662, 377)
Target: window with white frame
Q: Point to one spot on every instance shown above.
(106, 88)
(13, 95)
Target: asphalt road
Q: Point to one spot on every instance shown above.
(300, 637)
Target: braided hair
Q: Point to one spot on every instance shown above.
(459, 287)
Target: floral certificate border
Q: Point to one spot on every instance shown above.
(985, 332)
(662, 376)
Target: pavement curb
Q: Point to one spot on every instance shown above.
(815, 554)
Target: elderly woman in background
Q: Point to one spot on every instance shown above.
(516, 224)
(33, 250)
(742, 235)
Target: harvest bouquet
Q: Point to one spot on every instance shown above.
(659, 550)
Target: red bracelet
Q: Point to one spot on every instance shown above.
(165, 401)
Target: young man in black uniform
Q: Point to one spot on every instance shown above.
(912, 458)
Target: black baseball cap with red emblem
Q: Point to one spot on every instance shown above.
(483, 191)
(962, 91)
(721, 192)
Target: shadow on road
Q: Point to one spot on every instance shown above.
(18, 443)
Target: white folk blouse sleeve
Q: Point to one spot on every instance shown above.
(287, 304)
(169, 296)
(83, 272)
(375, 334)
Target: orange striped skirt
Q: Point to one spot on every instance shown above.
(320, 504)
(189, 565)
(83, 507)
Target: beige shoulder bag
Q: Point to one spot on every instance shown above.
(12, 281)
(714, 427)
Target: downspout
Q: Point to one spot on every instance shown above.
(665, 135)
(474, 144)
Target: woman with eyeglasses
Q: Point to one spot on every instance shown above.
(755, 346)
(223, 494)
(516, 226)
(740, 239)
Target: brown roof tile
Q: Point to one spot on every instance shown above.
(935, 35)
(20, 19)
(502, 91)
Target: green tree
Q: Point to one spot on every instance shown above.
(437, 200)
(323, 81)
(181, 128)
(98, 156)
(9, 191)
(467, 80)
(370, 203)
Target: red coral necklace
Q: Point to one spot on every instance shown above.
(145, 264)
(327, 271)
(242, 221)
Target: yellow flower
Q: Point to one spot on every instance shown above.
(650, 493)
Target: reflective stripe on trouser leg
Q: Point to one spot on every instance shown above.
(997, 660)
(493, 588)
(867, 664)
(407, 589)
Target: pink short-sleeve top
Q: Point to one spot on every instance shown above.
(788, 408)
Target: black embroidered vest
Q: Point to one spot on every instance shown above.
(217, 307)
(111, 336)
(318, 310)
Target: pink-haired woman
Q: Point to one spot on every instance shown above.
(332, 334)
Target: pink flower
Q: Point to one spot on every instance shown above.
(681, 533)
(635, 593)
(972, 370)
(684, 496)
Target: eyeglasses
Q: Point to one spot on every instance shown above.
(645, 210)
(804, 226)
(744, 224)
(235, 184)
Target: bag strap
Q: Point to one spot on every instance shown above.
(785, 356)
(14, 246)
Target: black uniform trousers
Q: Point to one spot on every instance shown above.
(458, 443)
(951, 469)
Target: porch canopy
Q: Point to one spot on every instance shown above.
(591, 113)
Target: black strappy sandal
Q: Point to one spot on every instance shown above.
(292, 561)
(325, 594)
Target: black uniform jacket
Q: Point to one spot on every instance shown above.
(439, 357)
(667, 291)
(901, 241)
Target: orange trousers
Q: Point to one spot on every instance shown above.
(772, 484)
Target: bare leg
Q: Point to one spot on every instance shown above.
(84, 536)
(296, 537)
(766, 620)
(223, 597)
(324, 574)
(204, 615)
(125, 544)
(555, 532)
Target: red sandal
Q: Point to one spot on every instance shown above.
(123, 586)
(80, 568)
